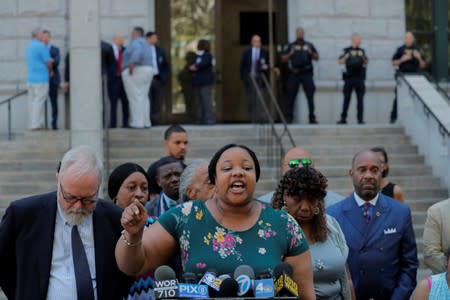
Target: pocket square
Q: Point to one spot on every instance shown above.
(390, 230)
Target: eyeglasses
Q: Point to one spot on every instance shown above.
(73, 199)
(305, 162)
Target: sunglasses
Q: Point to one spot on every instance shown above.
(295, 163)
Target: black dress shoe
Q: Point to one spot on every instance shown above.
(341, 122)
(313, 122)
(361, 122)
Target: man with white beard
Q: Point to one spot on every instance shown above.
(61, 245)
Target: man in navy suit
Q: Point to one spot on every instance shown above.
(116, 90)
(254, 61)
(61, 245)
(383, 254)
(55, 78)
(160, 79)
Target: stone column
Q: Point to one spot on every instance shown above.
(85, 81)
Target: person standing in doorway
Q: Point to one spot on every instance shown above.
(254, 61)
(355, 60)
(407, 59)
(202, 81)
(299, 55)
(39, 64)
(161, 65)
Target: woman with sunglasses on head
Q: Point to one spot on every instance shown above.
(388, 188)
(301, 192)
(227, 231)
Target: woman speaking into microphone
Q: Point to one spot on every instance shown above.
(228, 230)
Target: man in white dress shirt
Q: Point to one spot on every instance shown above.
(61, 245)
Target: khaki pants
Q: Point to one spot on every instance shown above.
(137, 87)
(37, 95)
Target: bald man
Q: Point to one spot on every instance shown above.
(296, 157)
(116, 89)
(382, 255)
(407, 59)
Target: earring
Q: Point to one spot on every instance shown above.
(316, 211)
(285, 208)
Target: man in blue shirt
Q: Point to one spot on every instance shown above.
(39, 63)
(137, 76)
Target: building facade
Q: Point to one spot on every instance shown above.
(329, 25)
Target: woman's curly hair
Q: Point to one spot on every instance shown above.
(305, 182)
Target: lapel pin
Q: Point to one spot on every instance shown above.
(378, 214)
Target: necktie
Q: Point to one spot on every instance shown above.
(255, 60)
(119, 61)
(83, 279)
(366, 212)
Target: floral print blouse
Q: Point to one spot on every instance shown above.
(205, 244)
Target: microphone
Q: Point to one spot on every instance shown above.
(212, 281)
(284, 285)
(228, 288)
(190, 289)
(166, 283)
(244, 276)
(189, 277)
(263, 285)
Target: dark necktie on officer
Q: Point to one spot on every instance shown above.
(83, 279)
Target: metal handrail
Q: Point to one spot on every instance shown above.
(8, 102)
(274, 133)
(427, 110)
(442, 91)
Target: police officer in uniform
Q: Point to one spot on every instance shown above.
(407, 59)
(299, 56)
(355, 61)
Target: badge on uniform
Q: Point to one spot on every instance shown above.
(198, 60)
(306, 48)
(160, 59)
(353, 53)
(360, 53)
(263, 61)
(297, 47)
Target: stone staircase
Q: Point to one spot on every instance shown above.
(28, 164)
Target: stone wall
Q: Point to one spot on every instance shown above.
(329, 24)
(20, 17)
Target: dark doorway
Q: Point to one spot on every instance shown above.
(229, 26)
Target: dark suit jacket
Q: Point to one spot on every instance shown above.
(107, 56)
(26, 246)
(163, 64)
(112, 68)
(246, 61)
(55, 55)
(383, 255)
(204, 74)
(153, 206)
